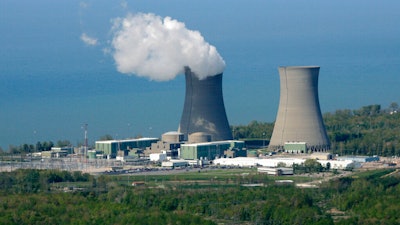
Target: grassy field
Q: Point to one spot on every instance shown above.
(205, 177)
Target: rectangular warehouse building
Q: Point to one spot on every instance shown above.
(111, 147)
(295, 147)
(211, 150)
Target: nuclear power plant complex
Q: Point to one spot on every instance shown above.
(299, 126)
(204, 130)
(204, 133)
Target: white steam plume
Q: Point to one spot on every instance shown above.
(88, 40)
(160, 48)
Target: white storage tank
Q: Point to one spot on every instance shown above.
(172, 137)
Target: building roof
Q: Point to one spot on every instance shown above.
(212, 143)
(172, 133)
(275, 162)
(127, 140)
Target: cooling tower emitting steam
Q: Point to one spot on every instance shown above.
(158, 48)
(204, 109)
(299, 116)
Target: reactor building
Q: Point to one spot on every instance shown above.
(299, 127)
(204, 109)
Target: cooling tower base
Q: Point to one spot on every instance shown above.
(311, 149)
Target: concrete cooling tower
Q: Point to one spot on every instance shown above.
(204, 109)
(299, 118)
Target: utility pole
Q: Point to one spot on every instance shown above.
(85, 144)
(263, 140)
(86, 139)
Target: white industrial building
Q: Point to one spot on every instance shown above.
(112, 147)
(175, 163)
(275, 171)
(238, 161)
(340, 164)
(158, 157)
(211, 150)
(360, 159)
(281, 162)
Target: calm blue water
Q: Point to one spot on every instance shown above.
(51, 83)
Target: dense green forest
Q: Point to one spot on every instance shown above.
(369, 130)
(37, 197)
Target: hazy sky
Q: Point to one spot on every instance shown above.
(57, 71)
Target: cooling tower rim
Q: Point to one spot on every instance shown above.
(190, 71)
(298, 67)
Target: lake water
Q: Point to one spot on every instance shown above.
(51, 83)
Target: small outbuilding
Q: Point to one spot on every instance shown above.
(175, 164)
(278, 171)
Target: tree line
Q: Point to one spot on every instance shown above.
(38, 147)
(24, 181)
(369, 130)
